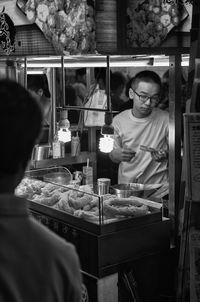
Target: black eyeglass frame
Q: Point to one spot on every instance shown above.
(154, 100)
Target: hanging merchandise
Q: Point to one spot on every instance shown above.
(7, 33)
(150, 22)
(97, 100)
(68, 25)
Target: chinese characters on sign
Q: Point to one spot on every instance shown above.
(192, 146)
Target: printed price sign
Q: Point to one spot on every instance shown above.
(194, 239)
(192, 149)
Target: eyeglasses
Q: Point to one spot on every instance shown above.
(145, 98)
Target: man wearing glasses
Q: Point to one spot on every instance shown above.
(141, 134)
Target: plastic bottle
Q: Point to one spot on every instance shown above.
(75, 145)
(56, 145)
(88, 174)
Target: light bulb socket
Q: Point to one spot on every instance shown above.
(64, 123)
(108, 118)
(107, 130)
(64, 115)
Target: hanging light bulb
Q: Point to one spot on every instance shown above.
(64, 134)
(107, 141)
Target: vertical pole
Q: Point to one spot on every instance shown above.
(108, 83)
(175, 117)
(25, 72)
(53, 82)
(63, 81)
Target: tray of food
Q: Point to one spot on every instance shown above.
(80, 201)
(129, 207)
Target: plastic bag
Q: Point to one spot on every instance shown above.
(97, 100)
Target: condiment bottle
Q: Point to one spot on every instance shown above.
(75, 145)
(57, 147)
(88, 175)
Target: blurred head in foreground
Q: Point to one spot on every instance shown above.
(20, 126)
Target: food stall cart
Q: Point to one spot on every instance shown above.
(103, 261)
(100, 245)
(106, 231)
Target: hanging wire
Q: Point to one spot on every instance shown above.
(108, 84)
(25, 72)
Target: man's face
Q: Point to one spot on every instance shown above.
(145, 97)
(35, 94)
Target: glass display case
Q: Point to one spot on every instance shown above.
(98, 225)
(53, 189)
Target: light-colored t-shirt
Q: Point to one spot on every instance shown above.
(151, 131)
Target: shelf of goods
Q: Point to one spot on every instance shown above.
(67, 160)
(99, 226)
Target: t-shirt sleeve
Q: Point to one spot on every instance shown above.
(117, 136)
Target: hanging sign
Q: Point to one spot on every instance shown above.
(192, 153)
(12, 10)
(7, 33)
(194, 253)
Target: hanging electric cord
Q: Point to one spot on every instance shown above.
(106, 142)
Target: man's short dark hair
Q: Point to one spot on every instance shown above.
(117, 79)
(80, 72)
(20, 125)
(38, 81)
(147, 76)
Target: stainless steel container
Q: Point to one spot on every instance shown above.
(41, 152)
(126, 190)
(103, 185)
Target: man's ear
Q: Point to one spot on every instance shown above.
(131, 92)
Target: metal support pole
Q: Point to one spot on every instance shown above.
(63, 80)
(25, 72)
(175, 117)
(53, 77)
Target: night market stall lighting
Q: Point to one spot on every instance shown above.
(107, 141)
(64, 134)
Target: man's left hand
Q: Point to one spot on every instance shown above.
(159, 155)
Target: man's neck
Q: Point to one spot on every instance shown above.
(136, 114)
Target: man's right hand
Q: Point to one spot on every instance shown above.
(121, 154)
